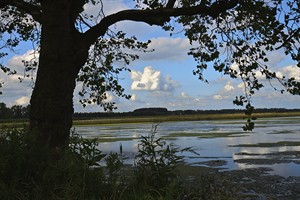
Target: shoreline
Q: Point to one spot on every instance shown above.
(110, 121)
(174, 118)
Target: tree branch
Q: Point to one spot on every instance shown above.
(288, 39)
(170, 4)
(34, 11)
(157, 16)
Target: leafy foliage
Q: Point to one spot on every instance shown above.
(234, 37)
(156, 162)
(14, 112)
(245, 35)
(100, 73)
(28, 170)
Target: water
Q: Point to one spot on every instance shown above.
(188, 134)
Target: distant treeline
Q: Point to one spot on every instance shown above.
(14, 112)
(165, 111)
(22, 112)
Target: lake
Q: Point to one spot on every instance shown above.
(222, 144)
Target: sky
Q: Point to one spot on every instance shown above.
(162, 78)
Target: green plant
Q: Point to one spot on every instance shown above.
(87, 149)
(32, 171)
(156, 164)
(114, 166)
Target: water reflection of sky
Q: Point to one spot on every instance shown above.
(266, 131)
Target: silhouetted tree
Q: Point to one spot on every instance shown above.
(5, 112)
(77, 46)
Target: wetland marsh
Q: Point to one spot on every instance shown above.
(222, 144)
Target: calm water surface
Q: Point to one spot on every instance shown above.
(269, 130)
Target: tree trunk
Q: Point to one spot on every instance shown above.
(61, 57)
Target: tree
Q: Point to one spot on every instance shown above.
(19, 111)
(4, 111)
(76, 46)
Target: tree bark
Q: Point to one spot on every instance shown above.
(61, 57)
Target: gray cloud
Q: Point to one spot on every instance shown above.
(166, 48)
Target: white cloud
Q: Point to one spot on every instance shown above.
(217, 97)
(228, 87)
(16, 61)
(279, 74)
(184, 95)
(241, 85)
(15, 92)
(133, 97)
(235, 67)
(259, 75)
(110, 97)
(22, 100)
(287, 71)
(292, 71)
(152, 80)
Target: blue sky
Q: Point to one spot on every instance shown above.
(162, 78)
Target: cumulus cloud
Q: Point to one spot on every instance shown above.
(217, 97)
(22, 100)
(152, 80)
(16, 62)
(228, 87)
(15, 92)
(287, 71)
(292, 71)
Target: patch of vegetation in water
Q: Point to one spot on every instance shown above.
(270, 158)
(205, 135)
(222, 134)
(262, 161)
(275, 144)
(169, 138)
(212, 163)
(114, 139)
(282, 153)
(284, 132)
(111, 126)
(182, 134)
(106, 135)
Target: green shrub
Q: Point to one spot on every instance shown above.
(155, 166)
(29, 170)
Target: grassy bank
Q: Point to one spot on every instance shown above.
(195, 117)
(151, 119)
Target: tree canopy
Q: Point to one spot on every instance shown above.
(74, 45)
